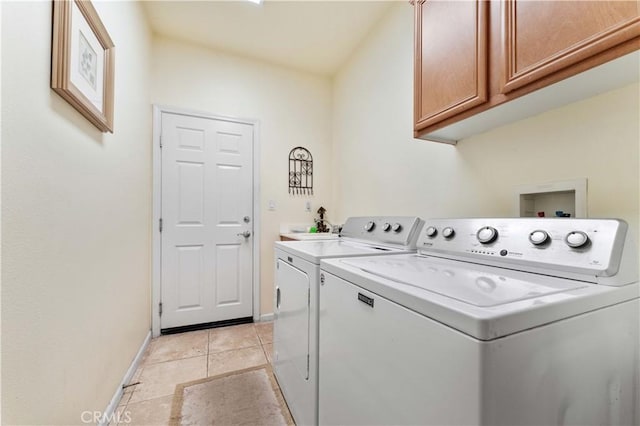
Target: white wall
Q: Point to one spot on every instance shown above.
(293, 108)
(381, 169)
(76, 209)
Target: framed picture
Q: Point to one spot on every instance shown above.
(82, 57)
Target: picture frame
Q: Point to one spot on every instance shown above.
(82, 61)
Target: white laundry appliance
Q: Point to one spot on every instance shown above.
(492, 322)
(295, 329)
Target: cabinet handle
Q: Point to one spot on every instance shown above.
(277, 297)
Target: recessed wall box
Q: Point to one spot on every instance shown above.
(554, 199)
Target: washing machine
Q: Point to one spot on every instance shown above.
(297, 274)
(492, 322)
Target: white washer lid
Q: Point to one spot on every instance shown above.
(464, 283)
(314, 251)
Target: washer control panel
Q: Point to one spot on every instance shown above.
(592, 247)
(394, 230)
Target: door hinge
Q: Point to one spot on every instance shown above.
(160, 308)
(309, 297)
(160, 225)
(160, 141)
(308, 365)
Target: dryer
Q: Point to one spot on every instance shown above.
(297, 274)
(492, 322)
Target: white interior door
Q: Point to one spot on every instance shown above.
(207, 193)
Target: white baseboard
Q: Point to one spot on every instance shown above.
(110, 411)
(266, 317)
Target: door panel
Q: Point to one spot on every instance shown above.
(207, 190)
(228, 277)
(191, 190)
(190, 276)
(228, 209)
(229, 142)
(190, 138)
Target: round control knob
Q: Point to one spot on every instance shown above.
(386, 227)
(397, 227)
(576, 239)
(538, 237)
(432, 231)
(448, 232)
(487, 234)
(369, 226)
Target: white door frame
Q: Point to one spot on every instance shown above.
(157, 202)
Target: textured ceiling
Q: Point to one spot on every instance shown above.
(313, 36)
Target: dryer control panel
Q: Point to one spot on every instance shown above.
(401, 231)
(585, 249)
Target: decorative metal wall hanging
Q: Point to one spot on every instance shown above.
(300, 171)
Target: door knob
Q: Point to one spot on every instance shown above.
(245, 234)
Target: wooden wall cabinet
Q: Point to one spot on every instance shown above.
(450, 59)
(473, 55)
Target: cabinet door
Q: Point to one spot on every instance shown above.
(450, 59)
(544, 37)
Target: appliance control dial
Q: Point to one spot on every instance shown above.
(432, 231)
(448, 232)
(538, 237)
(487, 234)
(576, 239)
(369, 226)
(397, 227)
(386, 227)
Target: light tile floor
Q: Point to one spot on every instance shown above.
(179, 358)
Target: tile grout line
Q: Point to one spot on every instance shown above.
(259, 340)
(175, 359)
(261, 345)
